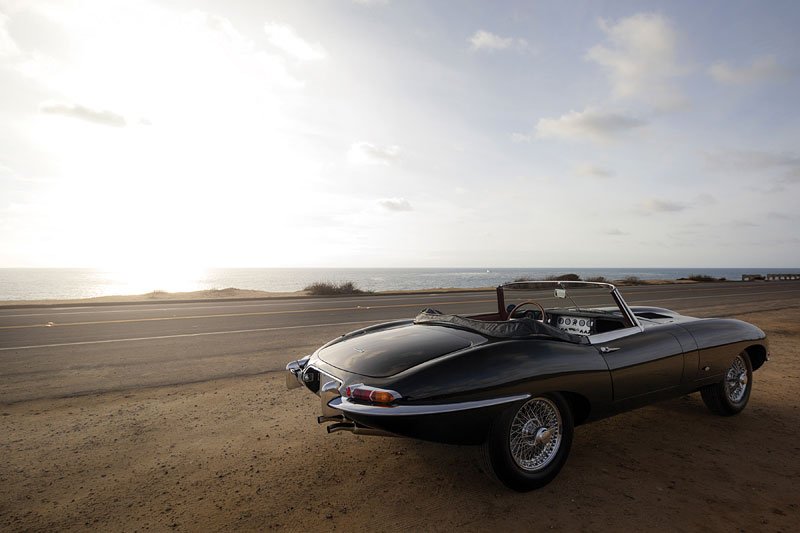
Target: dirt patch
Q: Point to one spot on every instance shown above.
(247, 454)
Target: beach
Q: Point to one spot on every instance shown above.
(243, 452)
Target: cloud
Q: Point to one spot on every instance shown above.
(284, 38)
(6, 170)
(705, 199)
(640, 58)
(588, 124)
(8, 47)
(102, 117)
(395, 204)
(364, 153)
(760, 69)
(371, 2)
(616, 231)
(751, 159)
(484, 40)
(745, 223)
(218, 38)
(739, 161)
(594, 171)
(656, 205)
(221, 25)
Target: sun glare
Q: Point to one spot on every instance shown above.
(172, 177)
(143, 279)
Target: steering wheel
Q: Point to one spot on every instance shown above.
(527, 302)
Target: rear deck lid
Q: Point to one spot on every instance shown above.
(388, 352)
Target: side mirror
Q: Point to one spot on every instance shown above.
(560, 293)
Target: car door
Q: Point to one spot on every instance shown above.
(643, 364)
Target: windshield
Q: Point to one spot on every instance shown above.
(573, 312)
(559, 295)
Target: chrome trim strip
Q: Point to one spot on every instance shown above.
(347, 406)
(554, 282)
(600, 338)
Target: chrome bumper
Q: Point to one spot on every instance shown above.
(329, 397)
(346, 406)
(296, 376)
(294, 372)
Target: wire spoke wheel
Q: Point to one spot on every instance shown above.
(535, 434)
(736, 380)
(529, 442)
(729, 396)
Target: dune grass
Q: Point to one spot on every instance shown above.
(328, 288)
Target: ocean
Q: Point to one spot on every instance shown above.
(68, 283)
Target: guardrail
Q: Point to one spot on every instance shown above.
(771, 277)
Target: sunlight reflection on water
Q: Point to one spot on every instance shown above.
(65, 283)
(143, 280)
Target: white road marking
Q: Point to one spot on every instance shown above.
(181, 307)
(227, 315)
(133, 339)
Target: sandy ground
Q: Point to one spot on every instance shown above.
(247, 454)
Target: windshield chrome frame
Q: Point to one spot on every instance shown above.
(627, 315)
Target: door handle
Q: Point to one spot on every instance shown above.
(608, 349)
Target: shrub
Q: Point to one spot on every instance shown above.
(598, 279)
(327, 288)
(564, 277)
(702, 278)
(633, 280)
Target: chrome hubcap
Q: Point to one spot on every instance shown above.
(736, 380)
(535, 435)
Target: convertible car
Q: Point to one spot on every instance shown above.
(551, 356)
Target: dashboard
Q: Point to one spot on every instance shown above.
(579, 325)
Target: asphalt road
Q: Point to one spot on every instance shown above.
(68, 351)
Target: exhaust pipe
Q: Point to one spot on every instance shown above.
(336, 418)
(357, 430)
(341, 426)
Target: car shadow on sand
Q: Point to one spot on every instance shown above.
(670, 432)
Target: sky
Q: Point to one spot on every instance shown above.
(394, 133)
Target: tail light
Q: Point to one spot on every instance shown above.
(365, 393)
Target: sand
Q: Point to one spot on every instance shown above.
(247, 454)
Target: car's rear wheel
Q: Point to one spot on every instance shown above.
(730, 396)
(529, 443)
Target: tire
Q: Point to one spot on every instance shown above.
(730, 396)
(529, 443)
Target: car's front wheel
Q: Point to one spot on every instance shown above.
(730, 396)
(529, 443)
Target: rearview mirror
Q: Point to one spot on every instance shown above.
(560, 293)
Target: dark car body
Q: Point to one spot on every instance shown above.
(451, 377)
